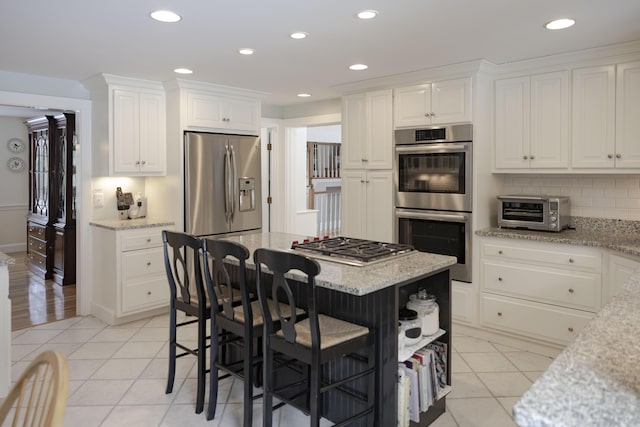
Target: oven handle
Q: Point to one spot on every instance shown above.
(431, 148)
(429, 216)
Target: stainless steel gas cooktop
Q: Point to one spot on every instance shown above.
(351, 251)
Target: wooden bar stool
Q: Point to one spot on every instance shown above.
(313, 339)
(182, 263)
(243, 320)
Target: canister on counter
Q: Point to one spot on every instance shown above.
(428, 311)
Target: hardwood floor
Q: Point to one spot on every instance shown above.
(34, 300)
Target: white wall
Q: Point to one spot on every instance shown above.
(332, 133)
(14, 191)
(596, 196)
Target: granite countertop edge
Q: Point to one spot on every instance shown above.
(619, 242)
(130, 224)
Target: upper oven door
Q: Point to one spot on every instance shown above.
(434, 176)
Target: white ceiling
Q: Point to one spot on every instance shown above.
(76, 39)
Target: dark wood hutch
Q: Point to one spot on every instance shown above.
(51, 228)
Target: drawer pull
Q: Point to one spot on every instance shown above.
(570, 329)
(148, 264)
(571, 290)
(148, 292)
(500, 313)
(571, 260)
(499, 279)
(148, 240)
(499, 252)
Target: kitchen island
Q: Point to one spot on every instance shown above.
(371, 296)
(596, 380)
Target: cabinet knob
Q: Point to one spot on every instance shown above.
(500, 313)
(531, 157)
(144, 162)
(367, 181)
(148, 240)
(499, 252)
(525, 157)
(362, 181)
(571, 261)
(148, 263)
(148, 292)
(427, 114)
(365, 160)
(618, 156)
(571, 290)
(570, 329)
(138, 162)
(610, 156)
(499, 279)
(432, 114)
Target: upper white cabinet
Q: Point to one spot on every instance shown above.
(367, 204)
(447, 101)
(593, 117)
(367, 133)
(129, 126)
(229, 113)
(531, 121)
(627, 153)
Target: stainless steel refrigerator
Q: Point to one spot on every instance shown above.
(222, 183)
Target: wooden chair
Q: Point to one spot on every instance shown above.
(182, 262)
(313, 340)
(39, 396)
(243, 321)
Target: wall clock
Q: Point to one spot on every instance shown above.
(15, 164)
(16, 145)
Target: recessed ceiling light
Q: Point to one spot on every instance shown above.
(304, 95)
(358, 67)
(559, 24)
(246, 51)
(183, 71)
(298, 35)
(367, 14)
(165, 16)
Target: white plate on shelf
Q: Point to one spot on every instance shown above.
(406, 352)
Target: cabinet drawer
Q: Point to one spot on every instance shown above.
(37, 231)
(540, 321)
(37, 259)
(37, 246)
(556, 286)
(583, 259)
(141, 239)
(146, 294)
(142, 263)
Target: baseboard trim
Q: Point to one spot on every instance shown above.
(13, 247)
(551, 350)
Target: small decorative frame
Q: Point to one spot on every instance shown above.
(16, 145)
(15, 164)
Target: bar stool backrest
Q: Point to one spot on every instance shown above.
(279, 263)
(182, 263)
(218, 279)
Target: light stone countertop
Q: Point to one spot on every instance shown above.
(129, 224)
(595, 381)
(350, 279)
(6, 259)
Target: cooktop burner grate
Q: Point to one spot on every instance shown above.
(361, 250)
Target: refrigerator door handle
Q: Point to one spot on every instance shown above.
(234, 183)
(227, 170)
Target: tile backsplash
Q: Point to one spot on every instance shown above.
(595, 196)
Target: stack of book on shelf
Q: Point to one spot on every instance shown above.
(422, 380)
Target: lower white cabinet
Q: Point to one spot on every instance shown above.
(130, 279)
(462, 302)
(367, 204)
(620, 270)
(545, 291)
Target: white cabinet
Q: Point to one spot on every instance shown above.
(130, 281)
(543, 290)
(367, 204)
(593, 117)
(225, 113)
(447, 101)
(627, 153)
(531, 122)
(367, 133)
(129, 126)
(620, 270)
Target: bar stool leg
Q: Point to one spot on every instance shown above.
(213, 379)
(202, 334)
(248, 381)
(267, 384)
(314, 392)
(172, 350)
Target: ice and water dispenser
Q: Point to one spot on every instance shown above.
(247, 188)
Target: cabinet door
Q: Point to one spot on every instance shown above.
(512, 123)
(379, 207)
(451, 101)
(204, 111)
(241, 115)
(593, 122)
(354, 208)
(152, 133)
(550, 120)
(412, 106)
(126, 131)
(620, 270)
(627, 116)
(353, 131)
(379, 131)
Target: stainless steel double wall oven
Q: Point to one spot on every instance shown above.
(433, 178)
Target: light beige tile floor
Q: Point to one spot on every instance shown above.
(117, 376)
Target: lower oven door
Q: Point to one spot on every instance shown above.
(439, 232)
